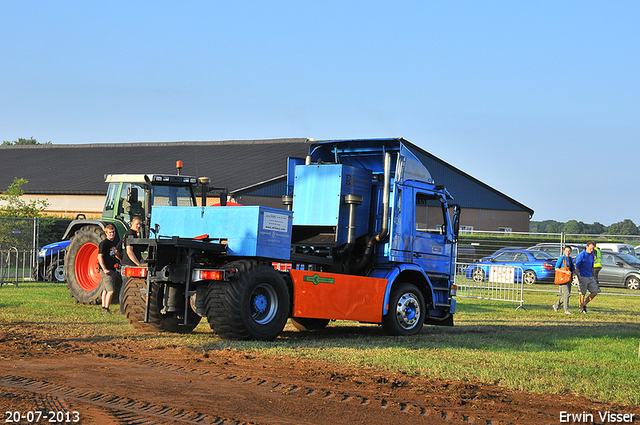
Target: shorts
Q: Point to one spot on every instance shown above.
(108, 280)
(588, 284)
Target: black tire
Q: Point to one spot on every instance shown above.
(133, 306)
(81, 265)
(407, 311)
(253, 304)
(529, 277)
(305, 324)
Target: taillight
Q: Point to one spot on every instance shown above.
(548, 266)
(135, 271)
(199, 274)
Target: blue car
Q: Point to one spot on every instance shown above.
(50, 265)
(531, 266)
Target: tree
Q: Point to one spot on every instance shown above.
(14, 206)
(21, 141)
(573, 227)
(626, 227)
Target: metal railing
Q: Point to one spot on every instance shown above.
(496, 283)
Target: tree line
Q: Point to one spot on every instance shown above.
(574, 227)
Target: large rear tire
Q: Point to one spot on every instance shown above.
(133, 306)
(253, 304)
(81, 265)
(407, 311)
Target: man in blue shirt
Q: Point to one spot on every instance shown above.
(584, 270)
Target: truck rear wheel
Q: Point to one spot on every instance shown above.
(253, 304)
(407, 311)
(133, 306)
(81, 265)
(306, 324)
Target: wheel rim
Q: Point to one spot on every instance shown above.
(58, 273)
(529, 278)
(478, 275)
(87, 267)
(633, 283)
(264, 303)
(408, 311)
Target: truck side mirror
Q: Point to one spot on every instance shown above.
(456, 222)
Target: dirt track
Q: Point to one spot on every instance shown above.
(124, 381)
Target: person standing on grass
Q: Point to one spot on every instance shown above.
(584, 270)
(597, 263)
(108, 260)
(131, 254)
(565, 289)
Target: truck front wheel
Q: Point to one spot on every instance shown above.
(133, 306)
(81, 265)
(253, 304)
(407, 311)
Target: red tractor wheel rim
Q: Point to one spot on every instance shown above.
(87, 267)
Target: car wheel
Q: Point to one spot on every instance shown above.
(478, 275)
(633, 283)
(529, 277)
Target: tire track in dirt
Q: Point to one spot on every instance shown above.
(52, 397)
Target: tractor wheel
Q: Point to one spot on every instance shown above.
(253, 304)
(55, 272)
(81, 265)
(133, 306)
(305, 324)
(529, 277)
(407, 311)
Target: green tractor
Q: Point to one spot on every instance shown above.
(128, 195)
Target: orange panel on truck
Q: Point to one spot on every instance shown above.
(334, 296)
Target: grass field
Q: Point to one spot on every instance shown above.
(537, 350)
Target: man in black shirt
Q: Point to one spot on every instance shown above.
(131, 254)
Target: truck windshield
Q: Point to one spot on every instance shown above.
(174, 196)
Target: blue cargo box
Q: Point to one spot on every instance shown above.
(251, 231)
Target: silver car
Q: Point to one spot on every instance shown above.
(619, 269)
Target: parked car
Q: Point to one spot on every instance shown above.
(618, 269)
(500, 251)
(50, 264)
(532, 266)
(624, 248)
(555, 249)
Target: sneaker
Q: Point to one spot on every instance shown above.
(105, 310)
(584, 308)
(555, 308)
(567, 312)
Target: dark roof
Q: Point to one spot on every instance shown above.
(250, 167)
(80, 169)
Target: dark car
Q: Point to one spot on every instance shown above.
(621, 270)
(531, 266)
(500, 251)
(555, 249)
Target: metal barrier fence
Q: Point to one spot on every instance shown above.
(16, 266)
(496, 283)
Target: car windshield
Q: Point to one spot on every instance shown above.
(541, 255)
(630, 259)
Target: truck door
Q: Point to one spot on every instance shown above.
(429, 246)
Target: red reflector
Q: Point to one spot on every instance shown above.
(135, 272)
(201, 237)
(212, 275)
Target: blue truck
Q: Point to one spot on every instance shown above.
(365, 235)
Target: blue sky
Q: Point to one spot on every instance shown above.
(535, 98)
